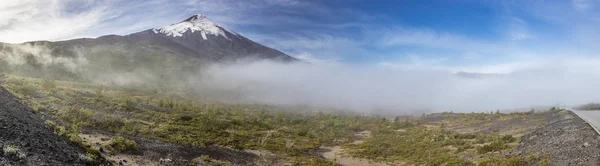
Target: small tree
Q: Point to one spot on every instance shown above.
(397, 119)
(48, 85)
(2, 77)
(99, 94)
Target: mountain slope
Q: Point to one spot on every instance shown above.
(32, 143)
(202, 35)
(154, 54)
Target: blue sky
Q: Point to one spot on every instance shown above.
(470, 35)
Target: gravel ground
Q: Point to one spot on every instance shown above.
(25, 139)
(567, 141)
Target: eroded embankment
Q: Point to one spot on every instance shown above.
(569, 141)
(25, 139)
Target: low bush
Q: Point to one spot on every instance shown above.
(49, 85)
(465, 136)
(493, 147)
(76, 115)
(120, 144)
(27, 89)
(590, 106)
(514, 161)
(508, 139)
(14, 152)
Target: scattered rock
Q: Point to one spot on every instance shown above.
(565, 141)
(28, 133)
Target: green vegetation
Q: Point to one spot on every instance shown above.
(92, 154)
(185, 120)
(441, 145)
(590, 106)
(206, 160)
(415, 145)
(48, 85)
(294, 133)
(76, 115)
(119, 144)
(515, 160)
(13, 152)
(492, 147)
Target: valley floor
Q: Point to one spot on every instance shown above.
(157, 126)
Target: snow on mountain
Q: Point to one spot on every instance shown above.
(197, 23)
(197, 37)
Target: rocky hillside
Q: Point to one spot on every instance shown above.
(25, 139)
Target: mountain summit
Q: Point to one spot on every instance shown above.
(209, 40)
(197, 23)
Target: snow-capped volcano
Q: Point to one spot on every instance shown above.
(195, 24)
(197, 38)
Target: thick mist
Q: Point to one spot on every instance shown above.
(552, 83)
(543, 83)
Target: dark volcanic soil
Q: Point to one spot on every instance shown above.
(152, 151)
(568, 141)
(21, 127)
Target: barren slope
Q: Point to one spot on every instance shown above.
(27, 141)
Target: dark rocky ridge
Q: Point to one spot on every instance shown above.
(567, 141)
(21, 127)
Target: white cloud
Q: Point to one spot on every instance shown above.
(518, 29)
(429, 38)
(308, 57)
(582, 5)
(28, 20)
(399, 90)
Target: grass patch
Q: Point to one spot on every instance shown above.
(293, 132)
(13, 152)
(120, 144)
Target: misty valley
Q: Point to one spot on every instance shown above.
(289, 87)
(127, 121)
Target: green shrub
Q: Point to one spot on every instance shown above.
(13, 152)
(108, 122)
(76, 115)
(455, 142)
(464, 147)
(185, 118)
(120, 144)
(508, 139)
(493, 147)
(99, 94)
(514, 161)
(92, 153)
(16, 81)
(590, 106)
(49, 85)
(27, 89)
(58, 130)
(465, 136)
(127, 105)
